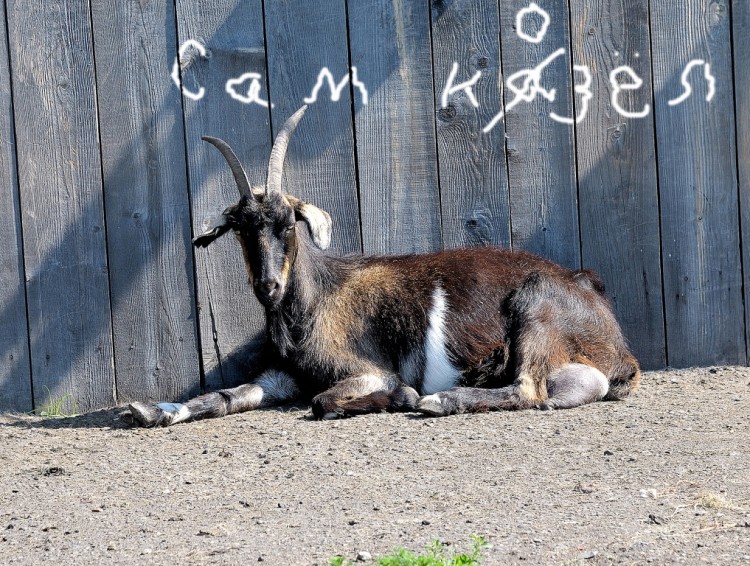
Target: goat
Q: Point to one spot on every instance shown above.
(441, 333)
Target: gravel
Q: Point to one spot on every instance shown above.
(663, 477)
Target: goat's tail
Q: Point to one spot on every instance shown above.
(624, 379)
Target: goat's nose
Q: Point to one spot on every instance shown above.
(269, 286)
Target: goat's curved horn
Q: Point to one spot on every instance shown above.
(278, 152)
(240, 177)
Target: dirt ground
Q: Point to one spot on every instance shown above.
(663, 477)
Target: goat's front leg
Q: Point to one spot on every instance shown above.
(366, 393)
(270, 389)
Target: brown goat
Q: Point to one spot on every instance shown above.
(441, 333)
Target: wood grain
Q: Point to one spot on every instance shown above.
(541, 151)
(741, 27)
(395, 131)
(617, 182)
(473, 174)
(15, 370)
(697, 186)
(61, 193)
(147, 207)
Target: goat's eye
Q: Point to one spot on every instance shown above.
(288, 228)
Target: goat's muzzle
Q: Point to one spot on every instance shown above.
(268, 291)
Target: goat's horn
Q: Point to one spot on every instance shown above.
(278, 152)
(240, 177)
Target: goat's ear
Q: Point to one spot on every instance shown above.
(318, 221)
(217, 228)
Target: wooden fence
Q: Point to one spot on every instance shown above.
(104, 179)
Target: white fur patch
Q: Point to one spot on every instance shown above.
(178, 411)
(432, 405)
(276, 386)
(369, 383)
(439, 372)
(319, 222)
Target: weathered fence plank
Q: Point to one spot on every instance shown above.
(146, 199)
(697, 185)
(541, 151)
(302, 39)
(232, 33)
(395, 131)
(473, 173)
(741, 26)
(61, 191)
(399, 174)
(15, 371)
(617, 183)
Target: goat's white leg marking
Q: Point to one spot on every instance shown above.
(178, 411)
(432, 405)
(271, 388)
(439, 372)
(275, 387)
(575, 384)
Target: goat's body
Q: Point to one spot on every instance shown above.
(488, 324)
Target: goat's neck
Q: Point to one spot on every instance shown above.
(313, 276)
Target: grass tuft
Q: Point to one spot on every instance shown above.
(436, 554)
(58, 407)
(711, 500)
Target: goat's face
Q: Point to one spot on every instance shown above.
(266, 227)
(264, 220)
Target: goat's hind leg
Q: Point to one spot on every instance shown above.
(570, 385)
(367, 393)
(270, 389)
(573, 385)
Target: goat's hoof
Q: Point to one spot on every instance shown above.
(405, 398)
(146, 415)
(161, 414)
(432, 405)
(332, 415)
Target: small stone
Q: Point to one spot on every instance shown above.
(425, 522)
(364, 556)
(656, 519)
(54, 471)
(609, 453)
(352, 522)
(588, 554)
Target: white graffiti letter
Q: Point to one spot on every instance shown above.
(336, 89)
(710, 79)
(617, 87)
(584, 89)
(519, 23)
(529, 88)
(465, 86)
(360, 85)
(253, 91)
(176, 68)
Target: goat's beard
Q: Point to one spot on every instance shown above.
(272, 301)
